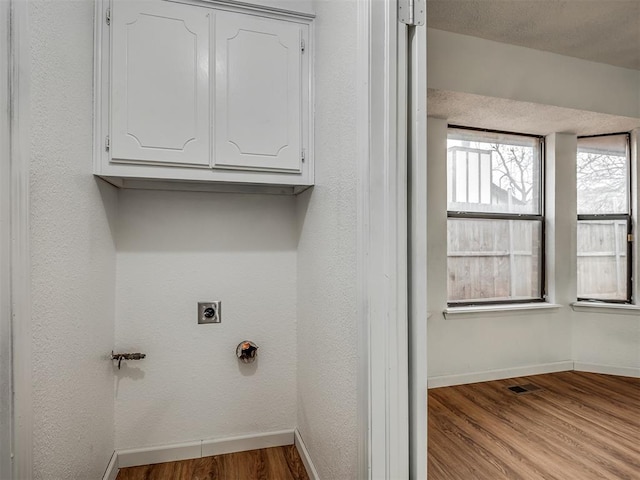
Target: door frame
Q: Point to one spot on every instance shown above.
(6, 399)
(392, 244)
(16, 252)
(418, 306)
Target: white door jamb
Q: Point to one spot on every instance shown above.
(382, 243)
(5, 251)
(417, 136)
(20, 244)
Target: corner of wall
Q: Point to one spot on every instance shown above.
(306, 457)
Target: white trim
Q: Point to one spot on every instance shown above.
(398, 387)
(111, 473)
(5, 246)
(500, 374)
(497, 310)
(635, 214)
(20, 246)
(247, 442)
(305, 457)
(253, 8)
(163, 453)
(603, 307)
(382, 244)
(607, 369)
(148, 184)
(418, 314)
(100, 99)
(202, 448)
(362, 239)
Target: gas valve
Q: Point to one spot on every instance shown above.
(247, 351)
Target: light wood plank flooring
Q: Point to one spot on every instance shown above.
(278, 463)
(580, 426)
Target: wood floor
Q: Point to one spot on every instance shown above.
(580, 426)
(278, 463)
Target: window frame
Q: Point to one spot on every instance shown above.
(539, 217)
(616, 216)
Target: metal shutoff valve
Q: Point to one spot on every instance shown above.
(126, 356)
(246, 351)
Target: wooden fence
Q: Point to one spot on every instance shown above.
(602, 259)
(500, 259)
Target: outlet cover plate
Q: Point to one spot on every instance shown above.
(210, 312)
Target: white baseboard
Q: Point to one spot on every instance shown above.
(487, 376)
(112, 469)
(202, 448)
(306, 458)
(163, 453)
(247, 442)
(607, 369)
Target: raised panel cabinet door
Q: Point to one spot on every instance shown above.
(258, 108)
(160, 108)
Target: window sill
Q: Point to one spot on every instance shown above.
(498, 310)
(603, 307)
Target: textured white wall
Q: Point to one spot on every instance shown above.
(73, 253)
(476, 345)
(611, 340)
(473, 65)
(561, 150)
(327, 310)
(178, 248)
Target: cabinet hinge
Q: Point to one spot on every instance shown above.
(108, 16)
(302, 156)
(107, 143)
(302, 45)
(630, 237)
(412, 12)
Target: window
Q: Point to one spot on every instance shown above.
(495, 226)
(604, 218)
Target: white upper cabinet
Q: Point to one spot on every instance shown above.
(160, 92)
(203, 93)
(258, 108)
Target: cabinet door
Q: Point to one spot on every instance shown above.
(258, 108)
(160, 108)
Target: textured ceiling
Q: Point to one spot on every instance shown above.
(470, 110)
(605, 31)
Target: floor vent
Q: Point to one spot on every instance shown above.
(522, 389)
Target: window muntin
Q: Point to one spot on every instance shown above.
(495, 246)
(604, 218)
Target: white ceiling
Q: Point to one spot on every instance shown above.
(605, 31)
